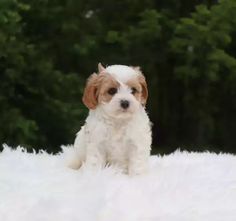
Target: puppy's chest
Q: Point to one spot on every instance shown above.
(117, 139)
(119, 135)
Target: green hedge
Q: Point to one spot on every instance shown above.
(186, 49)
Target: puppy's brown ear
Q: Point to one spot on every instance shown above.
(90, 92)
(143, 83)
(100, 68)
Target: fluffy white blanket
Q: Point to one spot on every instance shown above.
(180, 187)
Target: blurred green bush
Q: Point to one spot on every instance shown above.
(186, 49)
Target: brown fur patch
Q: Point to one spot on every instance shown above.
(143, 84)
(90, 98)
(107, 82)
(96, 90)
(134, 83)
(140, 85)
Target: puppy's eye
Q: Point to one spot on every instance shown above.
(134, 90)
(112, 91)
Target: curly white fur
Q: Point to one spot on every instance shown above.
(113, 135)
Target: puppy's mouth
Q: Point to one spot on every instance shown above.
(124, 112)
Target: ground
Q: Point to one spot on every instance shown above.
(179, 187)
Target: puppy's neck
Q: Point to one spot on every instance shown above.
(108, 120)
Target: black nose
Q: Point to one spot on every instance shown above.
(124, 104)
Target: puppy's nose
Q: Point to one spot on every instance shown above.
(124, 104)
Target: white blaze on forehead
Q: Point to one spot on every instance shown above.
(121, 73)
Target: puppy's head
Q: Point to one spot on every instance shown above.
(118, 89)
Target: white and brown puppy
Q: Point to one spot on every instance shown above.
(117, 130)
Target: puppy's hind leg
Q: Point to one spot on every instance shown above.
(78, 158)
(75, 164)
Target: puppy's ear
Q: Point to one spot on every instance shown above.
(100, 68)
(143, 83)
(90, 92)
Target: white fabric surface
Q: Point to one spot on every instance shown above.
(179, 187)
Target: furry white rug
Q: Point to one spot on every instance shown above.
(180, 187)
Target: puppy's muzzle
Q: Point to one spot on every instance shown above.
(124, 104)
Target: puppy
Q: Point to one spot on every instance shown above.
(117, 131)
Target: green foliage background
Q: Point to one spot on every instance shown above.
(187, 50)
